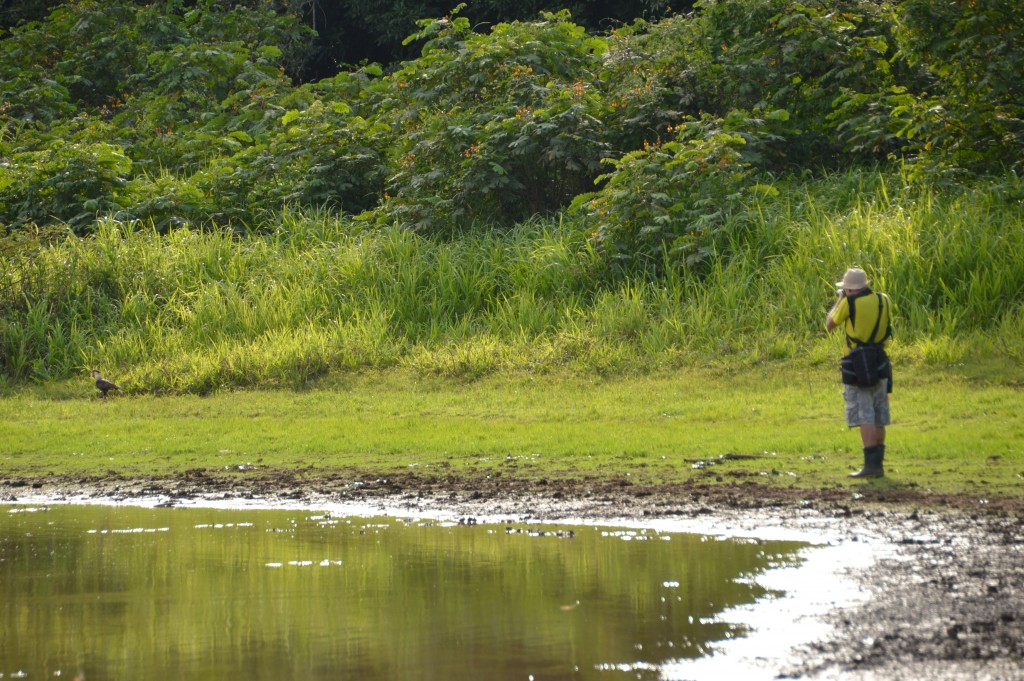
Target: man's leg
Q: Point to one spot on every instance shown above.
(872, 410)
(871, 435)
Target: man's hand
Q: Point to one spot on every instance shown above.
(829, 324)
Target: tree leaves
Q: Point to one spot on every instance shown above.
(496, 123)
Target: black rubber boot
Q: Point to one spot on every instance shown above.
(872, 463)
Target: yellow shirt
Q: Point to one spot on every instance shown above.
(865, 315)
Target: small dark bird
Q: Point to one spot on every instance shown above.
(102, 384)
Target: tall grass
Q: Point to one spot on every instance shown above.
(312, 295)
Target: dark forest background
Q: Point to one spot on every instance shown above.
(350, 32)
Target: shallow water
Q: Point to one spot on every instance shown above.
(121, 592)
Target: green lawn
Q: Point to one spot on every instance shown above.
(950, 434)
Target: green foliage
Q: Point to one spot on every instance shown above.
(176, 120)
(323, 155)
(165, 202)
(665, 203)
(172, 88)
(356, 31)
(105, 50)
(970, 112)
(67, 182)
(28, 95)
(326, 156)
(804, 58)
(649, 80)
(495, 127)
(88, 47)
(215, 88)
(15, 13)
(190, 310)
(488, 126)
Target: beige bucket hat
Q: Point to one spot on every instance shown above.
(854, 279)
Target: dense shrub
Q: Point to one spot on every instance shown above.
(171, 88)
(493, 127)
(64, 182)
(185, 112)
(969, 112)
(663, 204)
(650, 78)
(805, 58)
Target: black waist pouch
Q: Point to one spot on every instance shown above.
(865, 365)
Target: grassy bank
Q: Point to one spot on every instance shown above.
(315, 296)
(951, 435)
(317, 345)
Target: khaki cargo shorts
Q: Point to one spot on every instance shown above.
(867, 406)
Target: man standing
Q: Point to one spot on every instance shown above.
(868, 320)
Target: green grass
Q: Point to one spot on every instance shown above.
(316, 295)
(314, 344)
(951, 434)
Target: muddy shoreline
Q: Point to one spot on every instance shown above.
(945, 600)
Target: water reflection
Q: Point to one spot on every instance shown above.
(141, 593)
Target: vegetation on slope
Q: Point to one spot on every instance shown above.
(529, 195)
(194, 310)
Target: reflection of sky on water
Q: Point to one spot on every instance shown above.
(216, 590)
